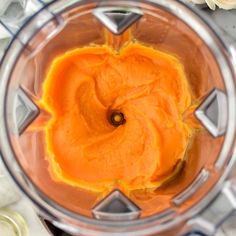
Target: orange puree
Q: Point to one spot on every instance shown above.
(147, 86)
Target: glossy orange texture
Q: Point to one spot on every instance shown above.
(148, 86)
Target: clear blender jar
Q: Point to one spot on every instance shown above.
(188, 204)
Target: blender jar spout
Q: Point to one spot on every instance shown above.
(14, 13)
(28, 10)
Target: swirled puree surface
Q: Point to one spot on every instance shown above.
(146, 89)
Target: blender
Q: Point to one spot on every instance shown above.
(191, 203)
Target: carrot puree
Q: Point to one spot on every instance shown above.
(147, 86)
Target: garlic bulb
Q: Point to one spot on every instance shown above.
(224, 4)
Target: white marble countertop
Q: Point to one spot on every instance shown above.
(11, 198)
(226, 20)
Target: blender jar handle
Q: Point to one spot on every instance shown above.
(212, 217)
